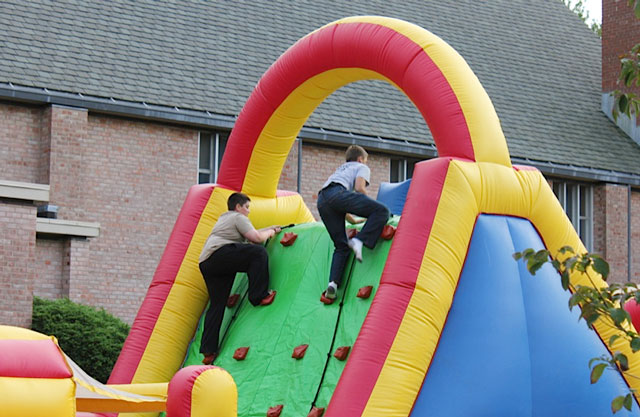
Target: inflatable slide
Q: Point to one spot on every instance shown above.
(453, 326)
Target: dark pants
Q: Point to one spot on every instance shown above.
(219, 271)
(334, 202)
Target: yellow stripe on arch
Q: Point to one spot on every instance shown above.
(273, 145)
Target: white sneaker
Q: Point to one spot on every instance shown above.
(356, 246)
(332, 291)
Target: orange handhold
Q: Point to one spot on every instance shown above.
(233, 300)
(351, 233)
(298, 352)
(288, 239)
(342, 352)
(387, 232)
(364, 292)
(241, 353)
(316, 412)
(326, 300)
(275, 410)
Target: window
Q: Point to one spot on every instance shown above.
(402, 169)
(577, 201)
(212, 145)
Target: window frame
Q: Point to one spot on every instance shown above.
(217, 141)
(569, 195)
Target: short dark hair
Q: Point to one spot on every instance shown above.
(355, 151)
(235, 199)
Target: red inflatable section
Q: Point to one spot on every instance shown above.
(633, 308)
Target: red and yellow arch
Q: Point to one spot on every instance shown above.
(472, 175)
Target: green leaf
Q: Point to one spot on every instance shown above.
(617, 403)
(597, 371)
(635, 344)
(601, 267)
(628, 402)
(622, 360)
(566, 249)
(615, 337)
(618, 315)
(564, 280)
(623, 103)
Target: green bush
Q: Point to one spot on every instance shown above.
(92, 338)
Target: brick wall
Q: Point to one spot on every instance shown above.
(17, 252)
(599, 220)
(135, 176)
(68, 171)
(620, 32)
(635, 236)
(50, 282)
(615, 231)
(20, 142)
(129, 176)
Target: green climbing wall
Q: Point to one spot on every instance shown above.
(269, 375)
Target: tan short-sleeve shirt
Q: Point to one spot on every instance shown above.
(230, 228)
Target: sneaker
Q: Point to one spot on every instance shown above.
(269, 298)
(356, 246)
(332, 291)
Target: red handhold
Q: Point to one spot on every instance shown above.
(326, 300)
(240, 353)
(298, 352)
(351, 233)
(233, 300)
(387, 232)
(316, 412)
(342, 352)
(275, 410)
(288, 239)
(364, 292)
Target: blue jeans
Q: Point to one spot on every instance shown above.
(334, 202)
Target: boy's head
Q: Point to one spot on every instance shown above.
(235, 199)
(354, 152)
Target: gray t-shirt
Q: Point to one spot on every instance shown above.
(230, 228)
(347, 173)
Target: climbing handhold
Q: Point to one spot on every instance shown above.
(233, 300)
(298, 352)
(241, 353)
(387, 232)
(275, 410)
(316, 412)
(364, 292)
(342, 352)
(351, 233)
(288, 239)
(326, 300)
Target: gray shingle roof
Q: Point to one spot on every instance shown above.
(539, 63)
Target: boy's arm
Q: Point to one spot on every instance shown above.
(259, 236)
(353, 220)
(360, 186)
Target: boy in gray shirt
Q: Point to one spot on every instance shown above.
(342, 194)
